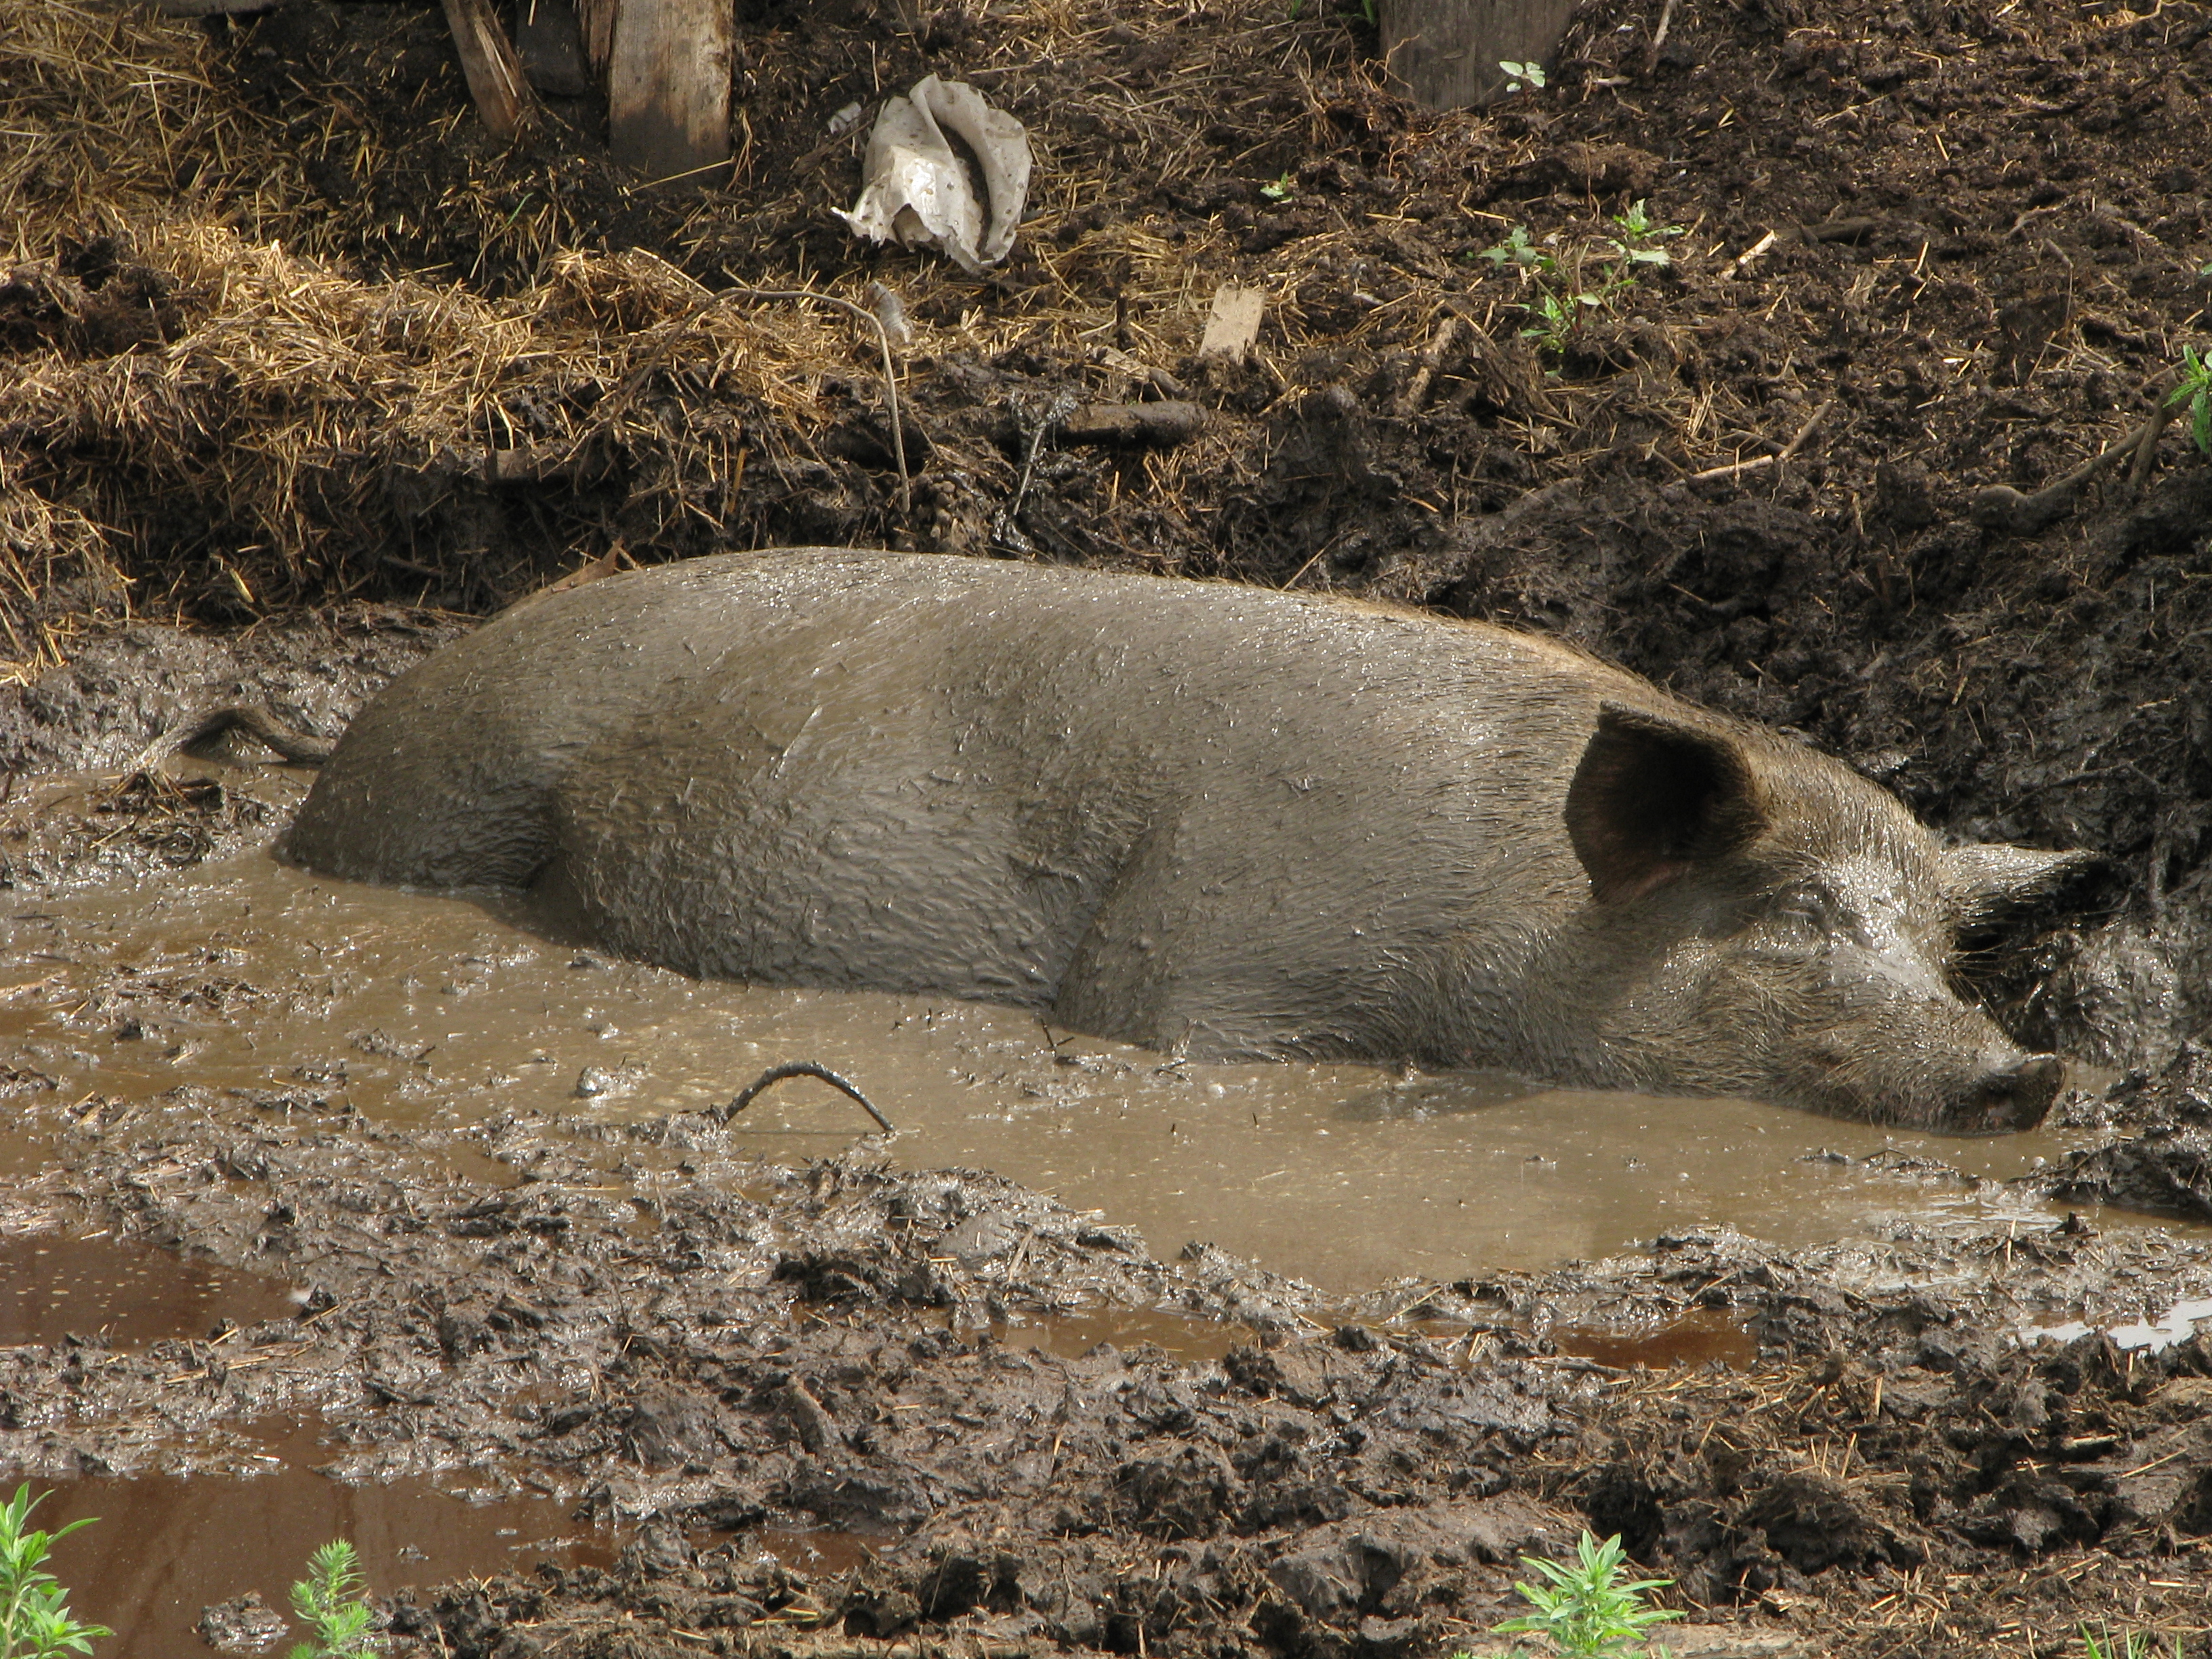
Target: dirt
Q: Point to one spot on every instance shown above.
(1991, 225)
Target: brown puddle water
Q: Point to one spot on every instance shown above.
(1694, 1340)
(164, 1547)
(53, 1285)
(429, 1011)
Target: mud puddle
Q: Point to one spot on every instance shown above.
(311, 996)
(53, 1287)
(166, 1548)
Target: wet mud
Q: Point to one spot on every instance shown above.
(585, 1373)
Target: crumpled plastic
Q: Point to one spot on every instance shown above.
(920, 192)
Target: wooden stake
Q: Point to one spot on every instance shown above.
(494, 74)
(668, 87)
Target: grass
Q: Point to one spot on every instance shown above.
(2132, 1646)
(34, 1615)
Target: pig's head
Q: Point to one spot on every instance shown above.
(1771, 924)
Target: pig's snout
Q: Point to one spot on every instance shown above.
(2014, 1098)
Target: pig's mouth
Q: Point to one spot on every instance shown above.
(2006, 1093)
(2006, 1101)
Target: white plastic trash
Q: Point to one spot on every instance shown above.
(919, 190)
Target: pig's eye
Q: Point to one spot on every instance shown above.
(1806, 909)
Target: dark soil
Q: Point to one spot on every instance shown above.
(1991, 224)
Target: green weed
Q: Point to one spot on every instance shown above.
(1570, 284)
(331, 1600)
(34, 1615)
(2194, 390)
(1589, 1610)
(1282, 190)
(1533, 74)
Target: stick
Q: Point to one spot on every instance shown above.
(1742, 262)
(1737, 469)
(775, 1074)
(2153, 429)
(1416, 389)
(2002, 507)
(890, 369)
(495, 73)
(1659, 37)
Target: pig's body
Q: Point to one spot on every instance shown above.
(1206, 818)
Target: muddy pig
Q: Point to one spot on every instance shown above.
(1210, 819)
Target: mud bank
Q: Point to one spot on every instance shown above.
(951, 1382)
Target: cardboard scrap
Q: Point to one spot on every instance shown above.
(1234, 327)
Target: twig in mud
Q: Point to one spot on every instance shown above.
(1742, 261)
(1659, 37)
(301, 747)
(1003, 525)
(1416, 389)
(775, 1074)
(2146, 450)
(890, 369)
(2001, 508)
(1737, 469)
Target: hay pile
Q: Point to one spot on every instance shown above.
(306, 435)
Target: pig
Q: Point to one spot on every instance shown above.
(1214, 820)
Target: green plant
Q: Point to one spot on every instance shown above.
(1517, 73)
(1576, 290)
(34, 1615)
(2133, 1645)
(1638, 243)
(2194, 389)
(329, 1598)
(1588, 1610)
(1516, 249)
(1282, 190)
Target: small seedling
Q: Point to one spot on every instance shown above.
(331, 1600)
(1588, 1610)
(2194, 390)
(1517, 251)
(1638, 238)
(1282, 190)
(1515, 74)
(34, 1615)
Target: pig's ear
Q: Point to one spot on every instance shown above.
(1986, 882)
(1653, 798)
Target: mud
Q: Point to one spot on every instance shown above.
(716, 1359)
(324, 1000)
(798, 1401)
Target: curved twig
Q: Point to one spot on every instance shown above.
(775, 1074)
(891, 371)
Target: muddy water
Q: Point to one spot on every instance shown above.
(433, 1011)
(52, 1287)
(164, 1547)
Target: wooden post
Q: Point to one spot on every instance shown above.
(1445, 53)
(494, 74)
(668, 86)
(549, 41)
